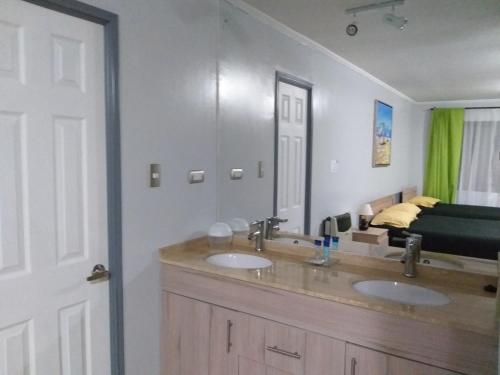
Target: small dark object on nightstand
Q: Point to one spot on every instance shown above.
(490, 288)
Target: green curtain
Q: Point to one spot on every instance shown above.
(443, 156)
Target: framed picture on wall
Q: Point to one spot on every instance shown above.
(382, 135)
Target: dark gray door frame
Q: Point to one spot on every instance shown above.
(113, 162)
(292, 80)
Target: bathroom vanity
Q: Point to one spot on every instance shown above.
(293, 318)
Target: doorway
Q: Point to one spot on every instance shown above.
(293, 153)
(60, 220)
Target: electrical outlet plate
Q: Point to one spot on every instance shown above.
(236, 174)
(196, 177)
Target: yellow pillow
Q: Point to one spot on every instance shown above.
(407, 207)
(424, 201)
(394, 218)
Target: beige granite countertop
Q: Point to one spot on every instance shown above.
(471, 308)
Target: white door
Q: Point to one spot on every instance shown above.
(53, 215)
(292, 145)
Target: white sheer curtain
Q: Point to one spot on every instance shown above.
(480, 167)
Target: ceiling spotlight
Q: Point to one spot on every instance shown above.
(351, 29)
(400, 22)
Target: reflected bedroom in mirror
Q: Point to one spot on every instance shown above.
(350, 139)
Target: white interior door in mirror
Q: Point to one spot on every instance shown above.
(292, 144)
(53, 210)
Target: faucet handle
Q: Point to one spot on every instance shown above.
(276, 220)
(257, 223)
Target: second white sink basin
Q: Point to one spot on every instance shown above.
(401, 292)
(236, 260)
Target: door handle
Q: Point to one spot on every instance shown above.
(353, 366)
(99, 272)
(275, 349)
(229, 343)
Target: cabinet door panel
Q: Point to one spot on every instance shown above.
(363, 361)
(273, 371)
(324, 356)
(404, 366)
(250, 340)
(186, 333)
(224, 331)
(250, 367)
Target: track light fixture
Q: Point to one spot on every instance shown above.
(400, 22)
(352, 28)
(389, 18)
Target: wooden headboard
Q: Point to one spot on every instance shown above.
(409, 193)
(381, 204)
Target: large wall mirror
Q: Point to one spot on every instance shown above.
(295, 129)
(296, 122)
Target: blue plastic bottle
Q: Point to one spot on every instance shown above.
(319, 250)
(326, 249)
(335, 243)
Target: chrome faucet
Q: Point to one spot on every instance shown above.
(257, 234)
(272, 226)
(412, 253)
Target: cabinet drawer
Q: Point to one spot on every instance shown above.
(285, 348)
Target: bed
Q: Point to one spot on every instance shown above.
(455, 210)
(466, 236)
(453, 235)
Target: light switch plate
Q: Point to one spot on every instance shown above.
(334, 166)
(260, 169)
(154, 175)
(236, 174)
(196, 177)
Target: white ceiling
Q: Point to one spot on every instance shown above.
(450, 50)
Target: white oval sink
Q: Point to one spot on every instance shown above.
(235, 260)
(401, 292)
(431, 261)
(294, 241)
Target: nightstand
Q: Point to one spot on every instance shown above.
(375, 236)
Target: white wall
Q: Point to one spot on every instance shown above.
(168, 83)
(343, 105)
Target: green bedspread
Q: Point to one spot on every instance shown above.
(454, 235)
(462, 210)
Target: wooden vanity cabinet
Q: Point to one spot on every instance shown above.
(364, 361)
(204, 339)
